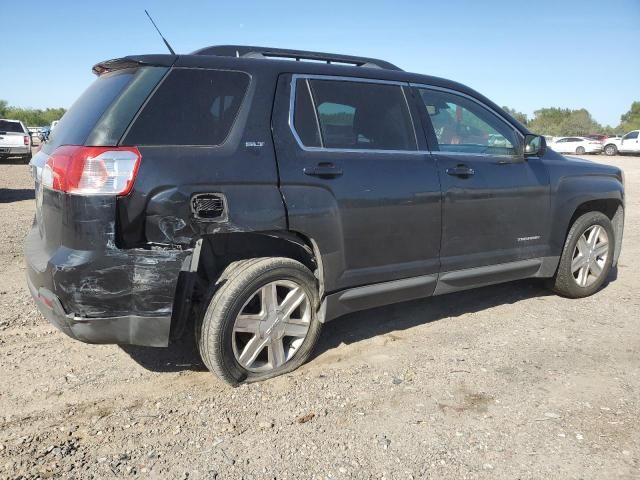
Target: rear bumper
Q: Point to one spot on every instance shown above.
(132, 329)
(110, 296)
(14, 151)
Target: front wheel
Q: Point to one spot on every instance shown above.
(580, 150)
(586, 258)
(261, 320)
(611, 150)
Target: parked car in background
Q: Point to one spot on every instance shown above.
(15, 140)
(629, 143)
(577, 145)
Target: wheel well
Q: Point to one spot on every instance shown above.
(219, 250)
(613, 209)
(608, 206)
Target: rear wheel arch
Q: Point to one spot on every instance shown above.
(219, 250)
(215, 252)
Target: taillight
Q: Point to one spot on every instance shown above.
(92, 170)
(26, 140)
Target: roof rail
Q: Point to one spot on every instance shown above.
(298, 55)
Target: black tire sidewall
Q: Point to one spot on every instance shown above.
(565, 282)
(233, 372)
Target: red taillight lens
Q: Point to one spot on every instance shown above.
(92, 170)
(26, 140)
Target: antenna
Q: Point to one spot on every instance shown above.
(160, 33)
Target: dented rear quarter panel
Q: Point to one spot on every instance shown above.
(243, 170)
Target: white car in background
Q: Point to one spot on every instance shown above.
(15, 140)
(629, 143)
(577, 145)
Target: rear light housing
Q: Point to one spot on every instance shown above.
(26, 140)
(80, 170)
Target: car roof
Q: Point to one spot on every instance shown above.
(274, 61)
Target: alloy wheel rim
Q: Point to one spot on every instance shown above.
(271, 326)
(590, 256)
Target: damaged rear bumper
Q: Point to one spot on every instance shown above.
(131, 329)
(108, 296)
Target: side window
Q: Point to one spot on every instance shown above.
(462, 125)
(631, 135)
(357, 115)
(191, 107)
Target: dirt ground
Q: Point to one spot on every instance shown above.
(504, 382)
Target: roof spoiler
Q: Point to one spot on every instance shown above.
(298, 55)
(133, 62)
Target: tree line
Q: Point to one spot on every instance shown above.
(31, 117)
(560, 122)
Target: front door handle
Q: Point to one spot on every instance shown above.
(323, 170)
(460, 171)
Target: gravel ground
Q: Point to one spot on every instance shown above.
(502, 382)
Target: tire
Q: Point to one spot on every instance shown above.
(27, 158)
(610, 150)
(240, 288)
(580, 151)
(567, 281)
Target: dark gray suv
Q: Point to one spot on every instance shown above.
(255, 198)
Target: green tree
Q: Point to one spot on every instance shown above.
(521, 117)
(31, 117)
(563, 121)
(631, 119)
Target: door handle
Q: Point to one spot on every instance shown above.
(323, 170)
(460, 171)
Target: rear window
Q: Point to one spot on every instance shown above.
(191, 107)
(105, 97)
(10, 127)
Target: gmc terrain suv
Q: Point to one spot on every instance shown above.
(258, 197)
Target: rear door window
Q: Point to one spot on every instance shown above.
(191, 107)
(355, 115)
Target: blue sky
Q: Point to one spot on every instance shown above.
(526, 55)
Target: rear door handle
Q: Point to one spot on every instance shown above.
(460, 171)
(323, 170)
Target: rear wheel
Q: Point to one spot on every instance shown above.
(586, 258)
(27, 158)
(611, 150)
(261, 321)
(580, 150)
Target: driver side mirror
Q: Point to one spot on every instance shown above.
(534, 145)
